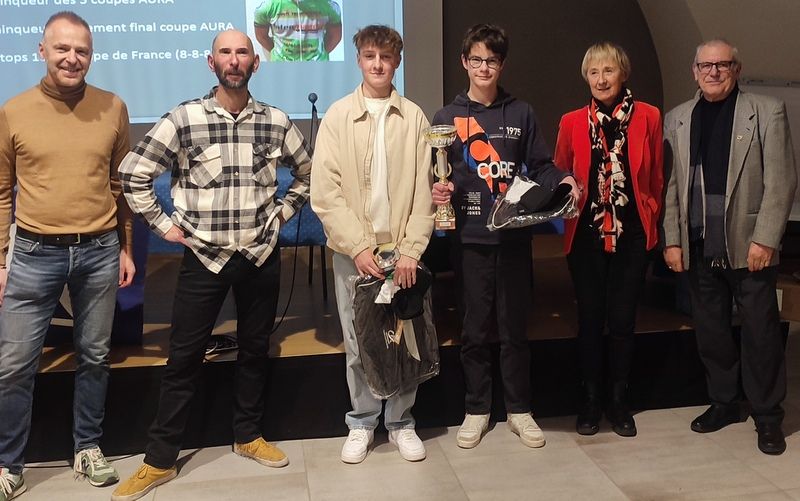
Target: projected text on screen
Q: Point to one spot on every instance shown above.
(152, 53)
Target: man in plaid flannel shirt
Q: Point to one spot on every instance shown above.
(222, 151)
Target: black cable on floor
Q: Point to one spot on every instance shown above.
(294, 269)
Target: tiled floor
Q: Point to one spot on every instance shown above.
(666, 461)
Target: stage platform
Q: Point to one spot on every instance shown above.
(307, 393)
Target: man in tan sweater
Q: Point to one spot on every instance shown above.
(60, 145)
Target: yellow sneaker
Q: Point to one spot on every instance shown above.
(263, 452)
(143, 481)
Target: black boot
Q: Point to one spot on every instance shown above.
(588, 422)
(619, 413)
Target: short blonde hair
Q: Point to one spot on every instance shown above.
(378, 35)
(606, 51)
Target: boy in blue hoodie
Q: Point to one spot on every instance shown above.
(497, 139)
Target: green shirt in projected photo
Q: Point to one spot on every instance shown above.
(298, 27)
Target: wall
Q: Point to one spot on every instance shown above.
(765, 31)
(422, 41)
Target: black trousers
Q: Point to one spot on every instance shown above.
(607, 290)
(496, 286)
(759, 359)
(198, 299)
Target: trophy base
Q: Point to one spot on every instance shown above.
(444, 224)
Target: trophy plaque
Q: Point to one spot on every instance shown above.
(440, 137)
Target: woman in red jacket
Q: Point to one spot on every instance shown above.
(613, 147)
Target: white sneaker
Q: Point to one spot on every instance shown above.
(11, 485)
(472, 430)
(408, 443)
(91, 464)
(355, 447)
(529, 432)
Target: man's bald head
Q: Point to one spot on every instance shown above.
(231, 38)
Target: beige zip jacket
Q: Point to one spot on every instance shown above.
(340, 175)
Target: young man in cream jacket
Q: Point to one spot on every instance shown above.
(370, 186)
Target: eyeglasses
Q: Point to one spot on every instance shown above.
(492, 62)
(722, 66)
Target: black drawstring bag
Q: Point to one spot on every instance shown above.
(397, 353)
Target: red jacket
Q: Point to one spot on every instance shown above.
(645, 161)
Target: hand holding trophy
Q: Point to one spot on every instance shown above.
(440, 137)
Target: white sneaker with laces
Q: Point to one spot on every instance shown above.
(355, 447)
(91, 463)
(11, 485)
(472, 430)
(408, 443)
(529, 432)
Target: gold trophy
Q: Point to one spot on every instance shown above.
(440, 137)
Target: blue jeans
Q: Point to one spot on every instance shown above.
(366, 407)
(36, 278)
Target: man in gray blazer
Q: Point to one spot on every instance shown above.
(730, 186)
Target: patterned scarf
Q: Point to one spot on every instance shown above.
(608, 208)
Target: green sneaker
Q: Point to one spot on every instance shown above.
(93, 465)
(11, 485)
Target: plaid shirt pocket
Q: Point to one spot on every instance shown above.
(205, 165)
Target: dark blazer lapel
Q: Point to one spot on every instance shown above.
(742, 137)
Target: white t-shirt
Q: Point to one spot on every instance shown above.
(379, 211)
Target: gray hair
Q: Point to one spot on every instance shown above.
(69, 16)
(718, 41)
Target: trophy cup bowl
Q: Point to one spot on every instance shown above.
(440, 137)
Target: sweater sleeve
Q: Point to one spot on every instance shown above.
(7, 182)
(121, 148)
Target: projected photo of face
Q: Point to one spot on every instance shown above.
(297, 30)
